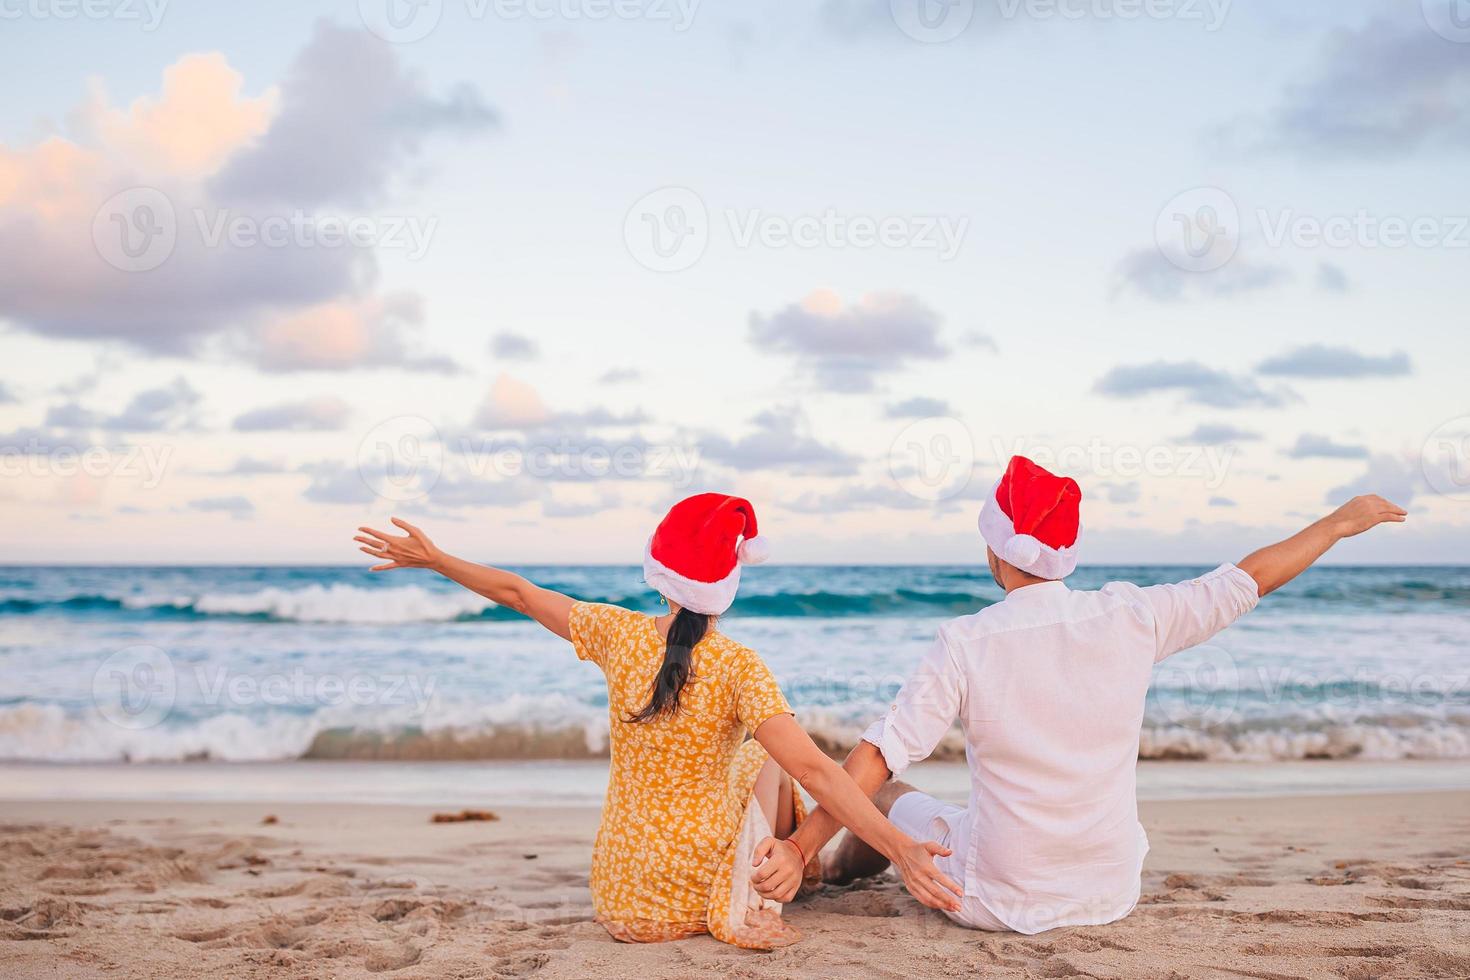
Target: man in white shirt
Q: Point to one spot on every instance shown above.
(1048, 686)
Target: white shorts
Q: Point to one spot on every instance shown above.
(924, 818)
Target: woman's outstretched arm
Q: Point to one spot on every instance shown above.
(414, 550)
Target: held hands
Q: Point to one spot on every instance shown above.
(779, 873)
(1361, 513)
(412, 550)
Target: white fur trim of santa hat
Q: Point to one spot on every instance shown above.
(1022, 550)
(710, 598)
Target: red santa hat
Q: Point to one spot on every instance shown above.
(1031, 520)
(695, 554)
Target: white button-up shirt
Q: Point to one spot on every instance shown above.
(1049, 687)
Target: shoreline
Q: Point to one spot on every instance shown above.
(581, 783)
(1356, 886)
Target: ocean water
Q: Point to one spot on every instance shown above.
(257, 664)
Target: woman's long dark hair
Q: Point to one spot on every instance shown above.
(685, 632)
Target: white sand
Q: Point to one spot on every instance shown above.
(1347, 886)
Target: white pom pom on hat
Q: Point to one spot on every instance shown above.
(1023, 551)
(753, 551)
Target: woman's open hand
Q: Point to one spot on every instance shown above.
(411, 550)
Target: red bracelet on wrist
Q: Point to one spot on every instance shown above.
(799, 852)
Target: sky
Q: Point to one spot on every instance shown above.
(525, 272)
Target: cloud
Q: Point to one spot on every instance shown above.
(308, 415)
(1221, 502)
(1218, 434)
(251, 466)
(845, 347)
(1321, 361)
(918, 408)
(983, 341)
(474, 492)
(858, 497)
(780, 442)
(1331, 278)
(514, 404)
(1384, 89)
(373, 331)
(1122, 493)
(1389, 476)
(335, 483)
(169, 408)
(1310, 446)
(514, 347)
(1149, 272)
(7, 397)
(121, 232)
(551, 507)
(237, 507)
(877, 20)
(351, 117)
(36, 441)
(617, 376)
(197, 121)
(1199, 384)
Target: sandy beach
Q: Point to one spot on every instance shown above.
(1356, 886)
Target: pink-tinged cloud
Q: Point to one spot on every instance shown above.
(130, 231)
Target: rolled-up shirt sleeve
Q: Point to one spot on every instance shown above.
(924, 710)
(1187, 614)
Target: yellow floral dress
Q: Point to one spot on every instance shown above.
(679, 795)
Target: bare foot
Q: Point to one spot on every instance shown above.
(852, 860)
(768, 929)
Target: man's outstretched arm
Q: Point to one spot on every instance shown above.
(1275, 565)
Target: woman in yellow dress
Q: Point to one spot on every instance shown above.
(678, 837)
